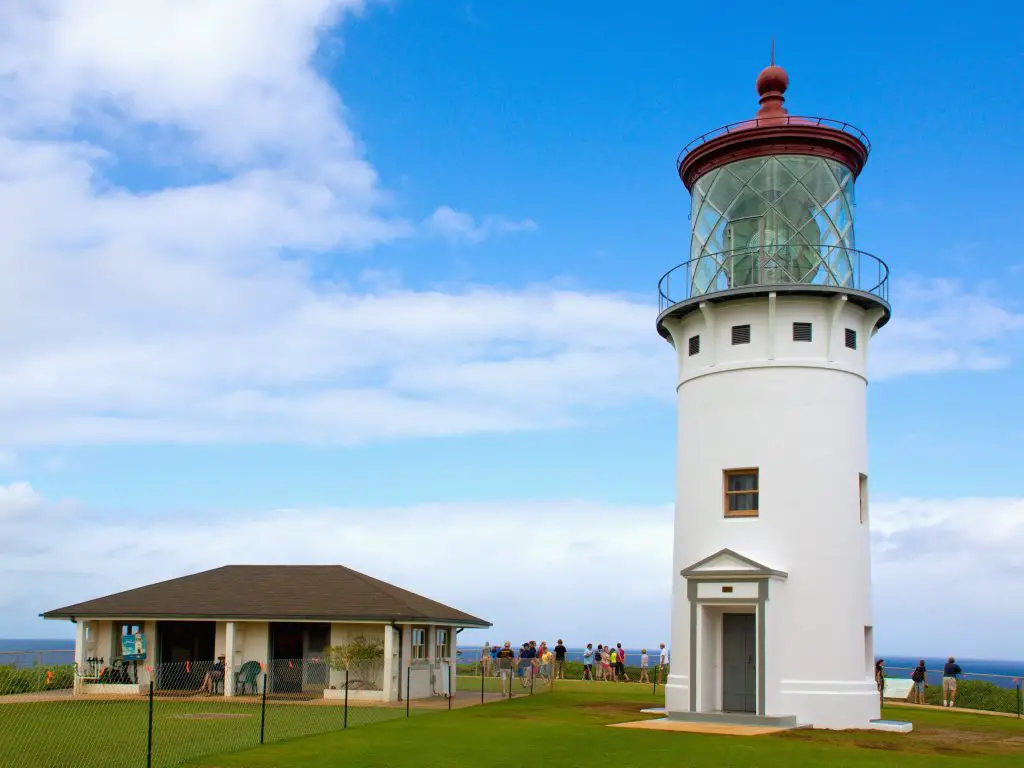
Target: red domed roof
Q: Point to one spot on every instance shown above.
(773, 131)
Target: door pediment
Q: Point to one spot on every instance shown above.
(728, 564)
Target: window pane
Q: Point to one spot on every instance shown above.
(742, 502)
(743, 482)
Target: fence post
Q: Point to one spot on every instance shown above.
(1020, 710)
(149, 738)
(408, 683)
(451, 689)
(483, 679)
(533, 675)
(346, 700)
(263, 708)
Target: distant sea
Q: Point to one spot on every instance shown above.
(25, 653)
(20, 652)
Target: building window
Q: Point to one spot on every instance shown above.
(869, 651)
(441, 645)
(851, 338)
(419, 643)
(741, 334)
(741, 492)
(694, 345)
(863, 498)
(801, 331)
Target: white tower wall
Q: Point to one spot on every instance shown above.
(796, 411)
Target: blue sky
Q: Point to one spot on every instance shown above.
(297, 278)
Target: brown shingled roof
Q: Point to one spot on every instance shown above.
(270, 592)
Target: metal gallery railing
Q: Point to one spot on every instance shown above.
(835, 266)
(765, 122)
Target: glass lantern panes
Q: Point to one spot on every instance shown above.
(772, 221)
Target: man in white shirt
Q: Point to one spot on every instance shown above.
(662, 662)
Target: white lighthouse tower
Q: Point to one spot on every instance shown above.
(771, 319)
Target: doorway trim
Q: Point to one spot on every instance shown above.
(719, 575)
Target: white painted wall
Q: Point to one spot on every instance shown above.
(796, 411)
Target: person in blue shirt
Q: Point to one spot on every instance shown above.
(950, 674)
(588, 662)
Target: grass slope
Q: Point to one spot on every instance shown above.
(565, 729)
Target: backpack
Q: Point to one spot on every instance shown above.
(918, 675)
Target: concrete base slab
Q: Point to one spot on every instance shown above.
(895, 726)
(721, 729)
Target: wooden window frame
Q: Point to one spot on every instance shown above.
(422, 646)
(726, 493)
(446, 648)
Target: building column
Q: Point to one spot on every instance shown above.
(79, 652)
(229, 659)
(389, 650)
(80, 642)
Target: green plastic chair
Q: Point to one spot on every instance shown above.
(248, 676)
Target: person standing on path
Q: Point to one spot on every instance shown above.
(588, 662)
(560, 651)
(485, 660)
(919, 676)
(950, 674)
(880, 679)
(613, 664)
(644, 677)
(620, 663)
(599, 660)
(662, 663)
(506, 657)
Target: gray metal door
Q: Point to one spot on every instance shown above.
(739, 683)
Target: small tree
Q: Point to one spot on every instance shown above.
(363, 659)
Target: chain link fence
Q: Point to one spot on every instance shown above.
(134, 715)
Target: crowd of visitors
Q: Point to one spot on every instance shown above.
(533, 660)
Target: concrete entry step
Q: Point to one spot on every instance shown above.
(735, 718)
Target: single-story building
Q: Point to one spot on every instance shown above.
(240, 629)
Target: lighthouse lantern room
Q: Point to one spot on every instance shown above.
(771, 319)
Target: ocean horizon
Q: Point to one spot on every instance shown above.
(24, 652)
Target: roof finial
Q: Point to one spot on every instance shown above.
(771, 87)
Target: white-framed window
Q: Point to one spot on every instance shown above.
(441, 644)
(419, 643)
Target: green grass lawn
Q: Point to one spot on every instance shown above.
(88, 734)
(564, 728)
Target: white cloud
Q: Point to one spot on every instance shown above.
(942, 325)
(181, 314)
(458, 226)
(933, 559)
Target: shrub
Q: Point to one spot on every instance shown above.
(977, 694)
(36, 678)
